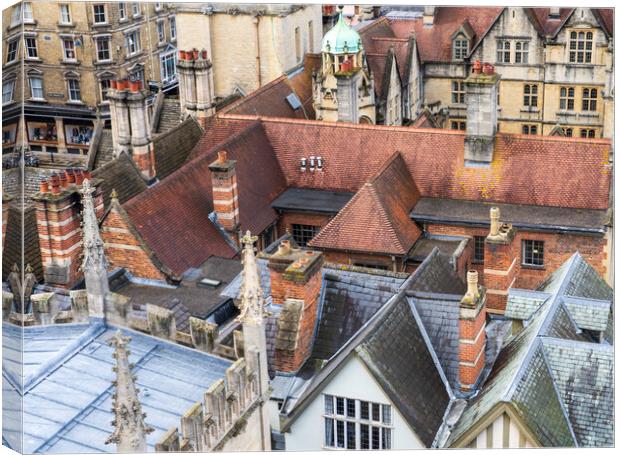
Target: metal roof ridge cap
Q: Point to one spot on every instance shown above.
(587, 300)
(578, 344)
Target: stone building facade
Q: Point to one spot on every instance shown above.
(249, 45)
(66, 55)
(556, 65)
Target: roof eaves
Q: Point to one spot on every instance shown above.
(485, 33)
(568, 16)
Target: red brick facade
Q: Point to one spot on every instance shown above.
(124, 248)
(296, 274)
(472, 336)
(225, 192)
(558, 248)
(287, 219)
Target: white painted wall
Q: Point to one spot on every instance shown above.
(352, 381)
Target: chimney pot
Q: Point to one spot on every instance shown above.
(79, 177)
(477, 67)
(195, 53)
(70, 175)
(203, 54)
(284, 248)
(472, 283)
(495, 223)
(113, 84)
(222, 156)
(488, 69)
(63, 181)
(44, 186)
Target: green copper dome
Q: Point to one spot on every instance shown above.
(341, 39)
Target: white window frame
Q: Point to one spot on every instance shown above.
(161, 31)
(457, 92)
(136, 11)
(32, 39)
(39, 78)
(102, 93)
(522, 50)
(107, 39)
(15, 52)
(65, 19)
(339, 423)
(586, 52)
(27, 13)
(16, 15)
(132, 39)
(503, 51)
(172, 22)
(95, 14)
(163, 69)
(122, 11)
(75, 89)
(65, 57)
(460, 48)
(8, 91)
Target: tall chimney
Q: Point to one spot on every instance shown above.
(203, 75)
(119, 117)
(225, 194)
(58, 211)
(472, 335)
(429, 16)
(295, 284)
(142, 150)
(187, 83)
(501, 263)
(481, 91)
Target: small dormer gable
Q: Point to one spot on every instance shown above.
(462, 40)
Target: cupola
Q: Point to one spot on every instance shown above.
(341, 39)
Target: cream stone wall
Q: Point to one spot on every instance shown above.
(249, 438)
(241, 43)
(393, 108)
(548, 65)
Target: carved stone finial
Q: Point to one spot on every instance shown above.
(114, 194)
(252, 301)
(130, 428)
(94, 256)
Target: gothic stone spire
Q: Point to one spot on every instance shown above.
(93, 245)
(130, 429)
(252, 301)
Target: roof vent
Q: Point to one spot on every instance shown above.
(319, 163)
(293, 101)
(303, 165)
(209, 283)
(312, 164)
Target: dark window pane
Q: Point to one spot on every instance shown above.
(479, 248)
(376, 412)
(340, 433)
(340, 406)
(386, 414)
(350, 408)
(351, 435)
(364, 410)
(364, 437)
(386, 438)
(375, 438)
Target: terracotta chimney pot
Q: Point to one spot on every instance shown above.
(477, 67)
(44, 186)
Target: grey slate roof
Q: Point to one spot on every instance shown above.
(233, 290)
(523, 303)
(18, 232)
(523, 217)
(398, 352)
(67, 394)
(560, 383)
(589, 313)
(172, 147)
(449, 245)
(348, 300)
(122, 175)
(311, 200)
(438, 276)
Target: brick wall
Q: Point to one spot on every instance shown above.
(124, 249)
(343, 257)
(472, 341)
(558, 249)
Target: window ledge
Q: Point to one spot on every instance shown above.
(12, 62)
(588, 114)
(37, 100)
(65, 24)
(580, 65)
(530, 110)
(78, 103)
(103, 62)
(123, 20)
(532, 267)
(101, 24)
(134, 55)
(71, 62)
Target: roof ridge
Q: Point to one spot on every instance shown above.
(259, 91)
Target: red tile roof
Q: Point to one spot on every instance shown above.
(545, 25)
(173, 216)
(435, 43)
(376, 219)
(552, 171)
(606, 15)
(301, 81)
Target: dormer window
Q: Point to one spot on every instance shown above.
(460, 48)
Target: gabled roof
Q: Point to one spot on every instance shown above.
(435, 42)
(376, 219)
(120, 174)
(173, 216)
(396, 349)
(172, 148)
(546, 26)
(559, 383)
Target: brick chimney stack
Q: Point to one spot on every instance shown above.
(481, 89)
(225, 195)
(196, 89)
(501, 262)
(472, 335)
(131, 132)
(295, 284)
(58, 209)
